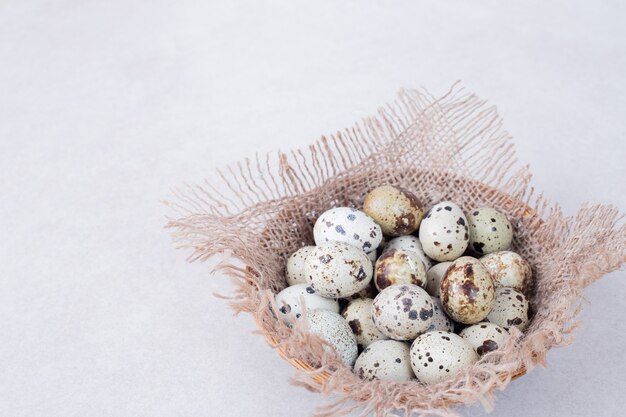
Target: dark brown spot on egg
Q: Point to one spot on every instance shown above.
(461, 221)
(519, 297)
(310, 290)
(376, 364)
(425, 314)
(361, 275)
(407, 303)
(448, 208)
(355, 325)
(413, 315)
(487, 346)
(514, 322)
(398, 360)
(478, 246)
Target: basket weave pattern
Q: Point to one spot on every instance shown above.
(261, 210)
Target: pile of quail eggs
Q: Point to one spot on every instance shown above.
(401, 293)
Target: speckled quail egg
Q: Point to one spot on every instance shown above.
(395, 209)
(440, 320)
(508, 269)
(437, 356)
(358, 314)
(347, 225)
(289, 302)
(402, 311)
(510, 309)
(386, 360)
(434, 276)
(337, 270)
(467, 291)
(484, 337)
(335, 330)
(490, 231)
(410, 243)
(397, 266)
(444, 233)
(295, 266)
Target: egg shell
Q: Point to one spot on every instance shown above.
(485, 337)
(335, 330)
(438, 356)
(467, 291)
(410, 243)
(444, 233)
(358, 314)
(337, 270)
(373, 255)
(296, 273)
(490, 231)
(510, 309)
(402, 311)
(347, 225)
(434, 276)
(395, 209)
(385, 360)
(508, 269)
(289, 301)
(440, 321)
(397, 266)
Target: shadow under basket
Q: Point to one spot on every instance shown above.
(261, 210)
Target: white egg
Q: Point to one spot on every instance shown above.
(335, 330)
(289, 301)
(296, 273)
(410, 243)
(508, 269)
(510, 309)
(402, 311)
(437, 356)
(490, 231)
(386, 360)
(434, 276)
(444, 233)
(440, 321)
(484, 337)
(358, 314)
(338, 270)
(397, 266)
(348, 225)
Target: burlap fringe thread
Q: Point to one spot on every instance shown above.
(261, 210)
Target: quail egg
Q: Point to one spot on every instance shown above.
(402, 311)
(397, 266)
(437, 356)
(410, 243)
(347, 225)
(358, 314)
(440, 320)
(467, 291)
(386, 360)
(334, 329)
(434, 276)
(444, 233)
(337, 270)
(510, 309)
(490, 231)
(295, 266)
(289, 302)
(508, 269)
(395, 209)
(484, 337)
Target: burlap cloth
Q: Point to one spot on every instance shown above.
(260, 210)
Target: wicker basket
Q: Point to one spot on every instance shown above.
(453, 147)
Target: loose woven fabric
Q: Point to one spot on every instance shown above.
(260, 210)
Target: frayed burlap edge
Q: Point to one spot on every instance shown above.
(260, 210)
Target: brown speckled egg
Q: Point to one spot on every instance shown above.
(440, 321)
(347, 225)
(402, 311)
(337, 270)
(467, 291)
(410, 243)
(510, 309)
(396, 210)
(444, 233)
(484, 337)
(434, 276)
(296, 273)
(437, 356)
(508, 269)
(358, 314)
(385, 360)
(289, 300)
(335, 330)
(490, 231)
(396, 266)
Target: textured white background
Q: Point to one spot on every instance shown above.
(106, 105)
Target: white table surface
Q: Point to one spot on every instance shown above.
(107, 105)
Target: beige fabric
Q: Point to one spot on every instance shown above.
(262, 209)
